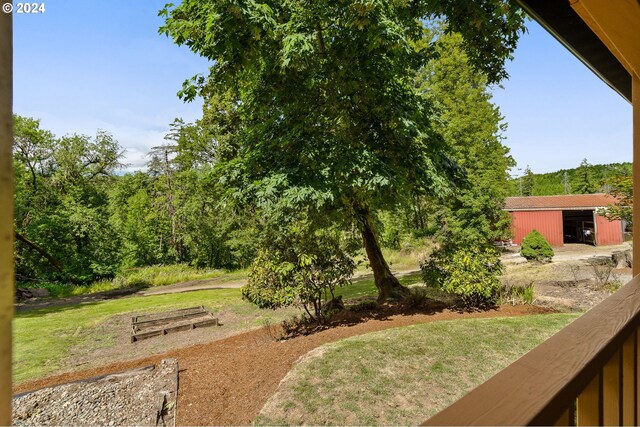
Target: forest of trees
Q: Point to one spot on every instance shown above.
(404, 145)
(585, 178)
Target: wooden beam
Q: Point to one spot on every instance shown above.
(635, 101)
(6, 214)
(616, 23)
(539, 387)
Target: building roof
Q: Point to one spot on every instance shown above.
(559, 18)
(567, 201)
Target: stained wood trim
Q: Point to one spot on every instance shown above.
(628, 378)
(541, 385)
(616, 24)
(637, 379)
(589, 408)
(635, 102)
(611, 383)
(7, 273)
(563, 420)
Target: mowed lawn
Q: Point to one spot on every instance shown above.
(42, 338)
(405, 375)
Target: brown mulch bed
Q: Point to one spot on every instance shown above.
(227, 382)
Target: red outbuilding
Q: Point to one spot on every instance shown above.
(571, 218)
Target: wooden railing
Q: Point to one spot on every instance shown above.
(586, 374)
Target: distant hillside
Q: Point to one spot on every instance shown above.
(552, 183)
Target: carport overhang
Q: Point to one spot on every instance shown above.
(605, 36)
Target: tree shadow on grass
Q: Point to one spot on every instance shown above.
(362, 313)
(40, 307)
(42, 311)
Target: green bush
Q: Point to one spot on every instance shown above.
(470, 273)
(536, 248)
(517, 294)
(304, 269)
(417, 296)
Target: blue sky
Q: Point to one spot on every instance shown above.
(85, 65)
(89, 64)
(559, 112)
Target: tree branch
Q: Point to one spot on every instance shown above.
(39, 250)
(320, 40)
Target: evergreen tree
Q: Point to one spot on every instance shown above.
(565, 183)
(528, 182)
(621, 188)
(584, 181)
(473, 126)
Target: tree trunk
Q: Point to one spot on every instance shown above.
(388, 286)
(43, 253)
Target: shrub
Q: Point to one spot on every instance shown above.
(535, 247)
(305, 269)
(470, 273)
(417, 296)
(517, 294)
(604, 274)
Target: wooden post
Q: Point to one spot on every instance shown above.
(611, 391)
(629, 381)
(635, 101)
(589, 408)
(6, 214)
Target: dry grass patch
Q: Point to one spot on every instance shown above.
(402, 376)
(62, 338)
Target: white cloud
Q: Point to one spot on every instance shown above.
(136, 133)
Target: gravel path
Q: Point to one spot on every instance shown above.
(204, 284)
(142, 397)
(570, 252)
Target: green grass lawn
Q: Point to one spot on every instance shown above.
(402, 376)
(143, 277)
(406, 259)
(161, 275)
(365, 288)
(42, 338)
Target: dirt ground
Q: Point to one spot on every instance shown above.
(111, 342)
(226, 382)
(569, 282)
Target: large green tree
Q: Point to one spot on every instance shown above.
(328, 115)
(174, 213)
(473, 126)
(621, 188)
(61, 218)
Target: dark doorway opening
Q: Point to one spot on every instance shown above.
(578, 227)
